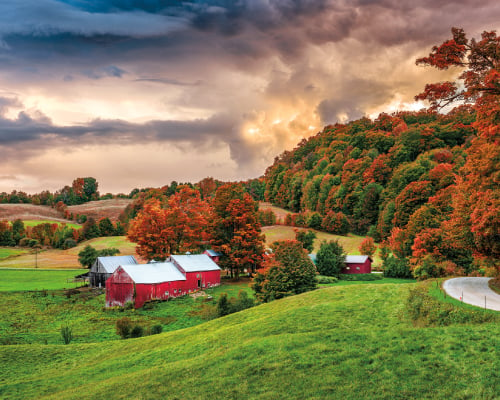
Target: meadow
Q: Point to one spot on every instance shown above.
(34, 222)
(342, 342)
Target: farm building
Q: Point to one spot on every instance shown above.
(200, 270)
(214, 255)
(103, 267)
(139, 283)
(178, 276)
(357, 265)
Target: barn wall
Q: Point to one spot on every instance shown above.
(157, 291)
(207, 278)
(364, 268)
(119, 289)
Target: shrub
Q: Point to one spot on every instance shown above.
(129, 305)
(325, 279)
(156, 329)
(124, 327)
(137, 331)
(66, 334)
(242, 302)
(223, 306)
(360, 277)
(68, 244)
(397, 268)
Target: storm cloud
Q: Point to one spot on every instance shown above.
(240, 79)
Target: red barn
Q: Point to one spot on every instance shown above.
(199, 269)
(357, 265)
(143, 282)
(214, 255)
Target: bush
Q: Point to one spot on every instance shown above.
(223, 306)
(242, 302)
(137, 331)
(68, 244)
(129, 305)
(66, 334)
(124, 327)
(325, 279)
(156, 329)
(397, 268)
(361, 277)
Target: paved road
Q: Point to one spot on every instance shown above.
(474, 291)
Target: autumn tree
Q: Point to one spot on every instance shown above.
(368, 247)
(286, 272)
(179, 225)
(306, 238)
(236, 230)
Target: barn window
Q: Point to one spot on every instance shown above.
(348, 268)
(175, 291)
(357, 268)
(166, 293)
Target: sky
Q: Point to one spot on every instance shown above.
(138, 93)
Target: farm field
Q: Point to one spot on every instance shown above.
(6, 252)
(43, 221)
(37, 317)
(55, 258)
(10, 212)
(36, 279)
(110, 208)
(344, 342)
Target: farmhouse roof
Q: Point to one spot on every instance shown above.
(153, 273)
(111, 263)
(195, 262)
(356, 259)
(213, 253)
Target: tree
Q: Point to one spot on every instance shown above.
(481, 71)
(288, 271)
(330, 258)
(180, 225)
(87, 256)
(106, 227)
(306, 238)
(336, 222)
(90, 229)
(236, 230)
(368, 247)
(18, 231)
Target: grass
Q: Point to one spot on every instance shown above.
(6, 252)
(36, 279)
(345, 342)
(67, 259)
(38, 222)
(36, 317)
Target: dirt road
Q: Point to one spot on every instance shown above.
(475, 291)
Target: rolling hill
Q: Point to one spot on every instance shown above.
(346, 342)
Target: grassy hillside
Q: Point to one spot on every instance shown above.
(347, 342)
(10, 212)
(110, 208)
(58, 259)
(36, 279)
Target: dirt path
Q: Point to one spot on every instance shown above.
(475, 291)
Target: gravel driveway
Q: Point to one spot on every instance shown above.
(474, 291)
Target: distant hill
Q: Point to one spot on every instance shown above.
(110, 208)
(10, 212)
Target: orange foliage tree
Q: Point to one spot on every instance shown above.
(236, 230)
(182, 224)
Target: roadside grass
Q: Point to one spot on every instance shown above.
(346, 342)
(47, 221)
(6, 252)
(383, 281)
(36, 279)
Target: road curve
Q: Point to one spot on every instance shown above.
(474, 291)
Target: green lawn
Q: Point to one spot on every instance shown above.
(36, 279)
(6, 252)
(343, 342)
(38, 222)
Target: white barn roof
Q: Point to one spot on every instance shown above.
(154, 273)
(195, 262)
(111, 263)
(356, 259)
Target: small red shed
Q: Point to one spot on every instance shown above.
(143, 282)
(357, 265)
(200, 270)
(214, 255)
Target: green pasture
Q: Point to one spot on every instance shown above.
(36, 279)
(38, 222)
(342, 342)
(6, 252)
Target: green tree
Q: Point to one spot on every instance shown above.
(330, 258)
(223, 306)
(288, 271)
(18, 231)
(306, 238)
(87, 256)
(106, 227)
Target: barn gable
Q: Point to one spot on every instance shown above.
(194, 262)
(356, 264)
(103, 267)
